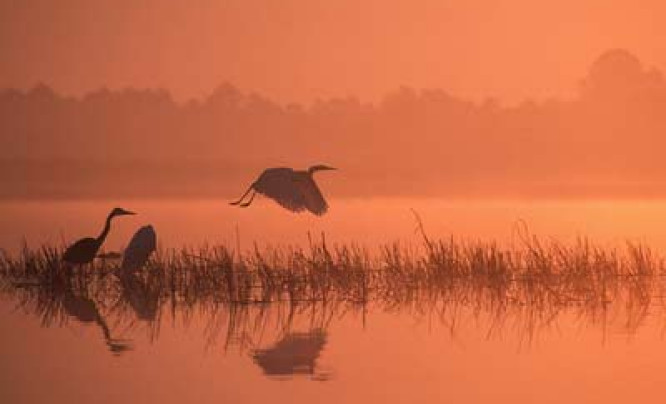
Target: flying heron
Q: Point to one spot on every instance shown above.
(84, 250)
(294, 190)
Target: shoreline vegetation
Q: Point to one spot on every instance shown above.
(529, 286)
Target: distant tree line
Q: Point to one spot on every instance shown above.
(606, 141)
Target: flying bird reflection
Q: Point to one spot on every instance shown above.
(294, 190)
(296, 353)
(85, 250)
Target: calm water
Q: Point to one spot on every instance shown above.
(368, 222)
(395, 357)
(137, 349)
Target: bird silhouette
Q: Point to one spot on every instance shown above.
(294, 190)
(139, 249)
(85, 250)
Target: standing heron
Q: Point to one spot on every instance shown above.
(85, 250)
(293, 190)
(139, 249)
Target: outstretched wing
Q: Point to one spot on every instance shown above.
(293, 190)
(313, 199)
(281, 185)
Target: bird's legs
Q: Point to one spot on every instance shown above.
(242, 197)
(246, 204)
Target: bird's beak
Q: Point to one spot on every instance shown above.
(127, 212)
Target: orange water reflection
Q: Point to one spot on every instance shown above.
(390, 354)
(392, 357)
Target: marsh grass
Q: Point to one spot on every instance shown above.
(530, 285)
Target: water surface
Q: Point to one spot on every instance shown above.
(131, 345)
(394, 357)
(367, 221)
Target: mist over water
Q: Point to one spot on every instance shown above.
(603, 143)
(369, 222)
(486, 224)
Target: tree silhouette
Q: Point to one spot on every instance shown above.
(606, 141)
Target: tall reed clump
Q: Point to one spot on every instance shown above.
(531, 283)
(535, 270)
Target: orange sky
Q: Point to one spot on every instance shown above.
(296, 50)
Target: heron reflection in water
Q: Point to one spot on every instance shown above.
(295, 354)
(85, 310)
(140, 296)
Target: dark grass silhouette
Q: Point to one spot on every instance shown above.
(531, 285)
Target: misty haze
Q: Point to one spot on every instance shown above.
(604, 142)
(352, 201)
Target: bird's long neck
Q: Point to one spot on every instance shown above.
(105, 231)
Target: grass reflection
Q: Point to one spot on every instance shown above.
(245, 297)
